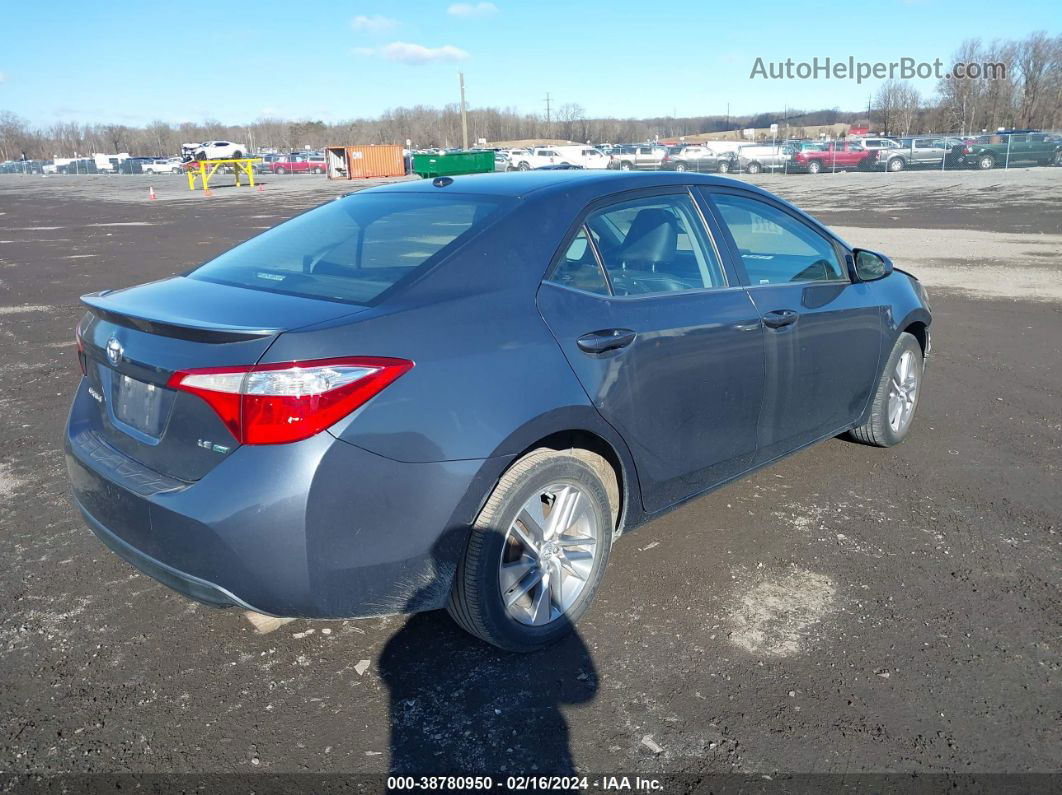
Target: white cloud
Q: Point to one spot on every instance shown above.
(472, 10)
(404, 52)
(373, 24)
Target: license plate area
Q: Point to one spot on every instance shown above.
(138, 404)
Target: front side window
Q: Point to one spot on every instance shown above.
(352, 249)
(655, 244)
(775, 247)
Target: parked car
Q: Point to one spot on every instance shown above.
(832, 156)
(221, 413)
(299, 164)
(755, 158)
(875, 144)
(697, 158)
(989, 151)
(267, 160)
(637, 157)
(214, 150)
(164, 165)
(80, 165)
(921, 151)
(542, 156)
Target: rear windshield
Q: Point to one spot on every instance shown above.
(352, 249)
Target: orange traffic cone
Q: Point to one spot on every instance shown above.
(208, 192)
(151, 194)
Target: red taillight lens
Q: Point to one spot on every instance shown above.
(80, 343)
(290, 401)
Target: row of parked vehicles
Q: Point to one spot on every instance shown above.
(1017, 147)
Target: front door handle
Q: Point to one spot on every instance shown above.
(780, 317)
(607, 340)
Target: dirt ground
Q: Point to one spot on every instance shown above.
(847, 610)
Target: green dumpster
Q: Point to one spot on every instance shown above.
(453, 163)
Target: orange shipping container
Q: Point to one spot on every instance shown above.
(375, 161)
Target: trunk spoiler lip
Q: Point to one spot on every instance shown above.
(174, 326)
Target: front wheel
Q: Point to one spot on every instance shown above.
(814, 167)
(538, 551)
(318, 170)
(896, 397)
(280, 170)
(724, 167)
(680, 166)
(626, 166)
(986, 162)
(524, 166)
(896, 164)
(1058, 158)
(753, 168)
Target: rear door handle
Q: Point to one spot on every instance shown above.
(607, 340)
(780, 317)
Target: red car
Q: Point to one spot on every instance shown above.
(832, 156)
(299, 164)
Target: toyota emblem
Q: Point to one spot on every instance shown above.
(114, 351)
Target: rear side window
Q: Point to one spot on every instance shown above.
(352, 249)
(655, 244)
(775, 247)
(578, 267)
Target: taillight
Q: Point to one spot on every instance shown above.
(967, 150)
(80, 343)
(290, 401)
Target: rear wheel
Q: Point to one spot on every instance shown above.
(237, 155)
(626, 165)
(524, 166)
(1058, 158)
(280, 170)
(724, 166)
(318, 170)
(985, 162)
(753, 168)
(896, 164)
(814, 167)
(537, 552)
(896, 397)
(680, 166)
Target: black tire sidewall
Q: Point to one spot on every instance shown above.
(906, 342)
(494, 522)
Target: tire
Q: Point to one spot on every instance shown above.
(814, 166)
(896, 164)
(880, 430)
(753, 168)
(626, 165)
(477, 599)
(1057, 160)
(724, 167)
(280, 170)
(237, 155)
(524, 166)
(200, 156)
(175, 171)
(318, 170)
(680, 166)
(985, 162)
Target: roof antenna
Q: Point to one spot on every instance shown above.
(442, 182)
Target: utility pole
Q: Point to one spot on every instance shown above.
(728, 116)
(549, 121)
(464, 116)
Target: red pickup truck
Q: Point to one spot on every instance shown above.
(299, 164)
(832, 156)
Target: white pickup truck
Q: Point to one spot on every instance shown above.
(536, 157)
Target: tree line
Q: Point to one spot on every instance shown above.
(1029, 95)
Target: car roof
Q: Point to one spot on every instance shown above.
(518, 184)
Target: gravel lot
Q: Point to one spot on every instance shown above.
(847, 610)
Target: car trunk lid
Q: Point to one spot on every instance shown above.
(133, 341)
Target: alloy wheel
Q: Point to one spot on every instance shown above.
(903, 392)
(548, 554)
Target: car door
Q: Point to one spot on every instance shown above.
(822, 333)
(669, 351)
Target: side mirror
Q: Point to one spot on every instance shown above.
(870, 266)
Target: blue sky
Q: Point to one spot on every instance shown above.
(133, 62)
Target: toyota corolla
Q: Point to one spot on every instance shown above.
(457, 393)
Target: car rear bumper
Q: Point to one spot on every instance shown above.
(320, 528)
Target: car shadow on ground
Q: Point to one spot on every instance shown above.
(459, 705)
